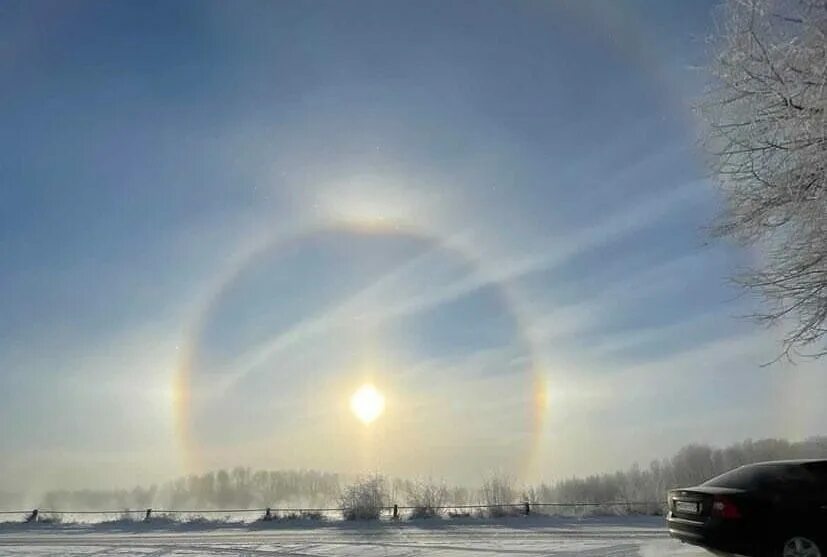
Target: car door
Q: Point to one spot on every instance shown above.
(799, 499)
(817, 496)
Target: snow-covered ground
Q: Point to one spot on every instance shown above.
(534, 536)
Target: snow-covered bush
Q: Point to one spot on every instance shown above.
(364, 499)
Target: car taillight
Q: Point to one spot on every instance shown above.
(725, 508)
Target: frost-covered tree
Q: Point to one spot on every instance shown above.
(768, 138)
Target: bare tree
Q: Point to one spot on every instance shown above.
(767, 135)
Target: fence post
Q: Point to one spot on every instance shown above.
(148, 515)
(527, 508)
(32, 517)
(395, 511)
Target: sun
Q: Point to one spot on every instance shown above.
(367, 403)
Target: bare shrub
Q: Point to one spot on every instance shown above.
(364, 499)
(459, 514)
(427, 498)
(301, 515)
(499, 496)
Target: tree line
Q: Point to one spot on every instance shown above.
(236, 488)
(691, 465)
(245, 488)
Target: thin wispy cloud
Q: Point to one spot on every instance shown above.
(375, 303)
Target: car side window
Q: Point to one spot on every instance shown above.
(818, 470)
(792, 479)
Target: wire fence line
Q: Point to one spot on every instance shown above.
(526, 506)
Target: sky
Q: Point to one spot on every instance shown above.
(219, 219)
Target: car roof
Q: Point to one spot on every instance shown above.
(789, 462)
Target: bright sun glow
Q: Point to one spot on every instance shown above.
(367, 403)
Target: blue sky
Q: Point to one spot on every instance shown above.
(452, 200)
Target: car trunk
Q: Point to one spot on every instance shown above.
(695, 503)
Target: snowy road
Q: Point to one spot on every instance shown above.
(616, 537)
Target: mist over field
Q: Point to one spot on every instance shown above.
(641, 488)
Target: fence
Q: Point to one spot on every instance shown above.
(394, 512)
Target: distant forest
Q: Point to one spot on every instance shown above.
(691, 465)
(245, 488)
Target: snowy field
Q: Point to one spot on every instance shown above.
(535, 536)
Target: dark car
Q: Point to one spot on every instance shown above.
(772, 509)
